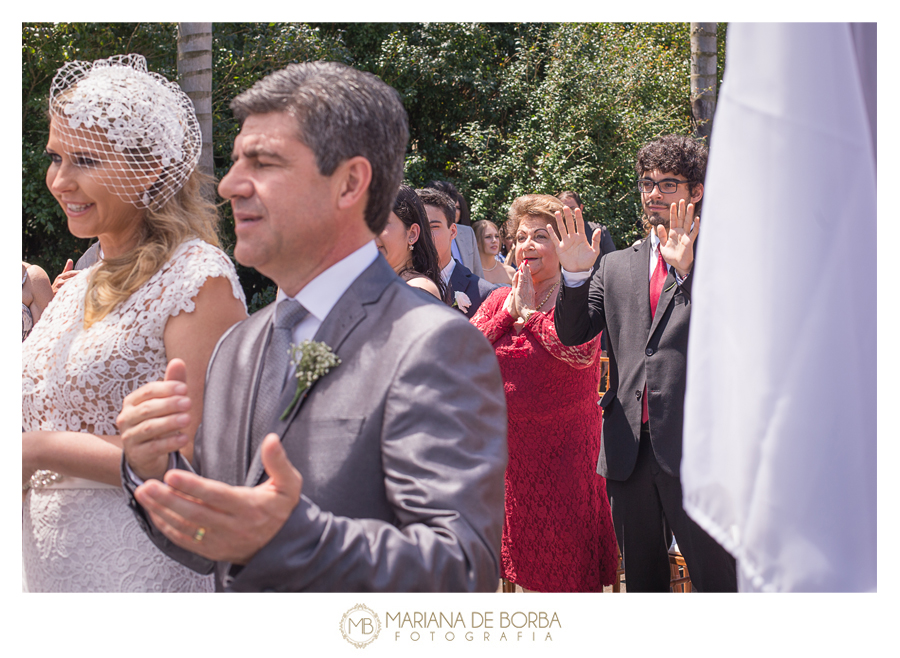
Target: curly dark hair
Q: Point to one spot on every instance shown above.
(677, 154)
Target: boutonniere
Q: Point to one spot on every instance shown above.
(462, 302)
(311, 360)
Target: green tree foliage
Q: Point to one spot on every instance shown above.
(499, 109)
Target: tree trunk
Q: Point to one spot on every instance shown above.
(703, 77)
(195, 76)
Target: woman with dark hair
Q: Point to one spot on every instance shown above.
(406, 244)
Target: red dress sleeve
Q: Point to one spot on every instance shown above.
(491, 318)
(578, 356)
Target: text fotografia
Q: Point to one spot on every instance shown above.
(479, 626)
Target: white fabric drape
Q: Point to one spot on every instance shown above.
(779, 461)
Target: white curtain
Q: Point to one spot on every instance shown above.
(779, 457)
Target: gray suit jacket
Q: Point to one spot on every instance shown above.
(402, 450)
(89, 257)
(641, 350)
(468, 249)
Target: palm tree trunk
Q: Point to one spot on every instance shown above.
(195, 75)
(703, 77)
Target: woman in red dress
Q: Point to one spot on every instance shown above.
(558, 535)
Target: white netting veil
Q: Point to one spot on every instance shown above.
(132, 130)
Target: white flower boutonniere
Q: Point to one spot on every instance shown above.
(462, 302)
(311, 360)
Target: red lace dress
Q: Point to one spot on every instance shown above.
(558, 535)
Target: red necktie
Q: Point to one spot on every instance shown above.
(656, 285)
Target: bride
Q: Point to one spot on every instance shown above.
(123, 148)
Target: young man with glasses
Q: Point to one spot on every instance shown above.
(641, 298)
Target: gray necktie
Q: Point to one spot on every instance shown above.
(288, 314)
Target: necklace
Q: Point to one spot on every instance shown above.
(490, 269)
(552, 288)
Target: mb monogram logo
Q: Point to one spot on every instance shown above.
(360, 626)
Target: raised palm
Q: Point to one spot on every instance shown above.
(574, 251)
(677, 244)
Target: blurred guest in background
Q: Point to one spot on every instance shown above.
(467, 290)
(36, 294)
(407, 244)
(495, 270)
(464, 246)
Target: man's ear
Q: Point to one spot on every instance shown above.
(353, 177)
(452, 231)
(697, 193)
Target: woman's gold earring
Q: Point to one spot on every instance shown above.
(410, 246)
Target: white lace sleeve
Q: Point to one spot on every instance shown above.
(183, 276)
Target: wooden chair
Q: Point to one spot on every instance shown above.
(681, 580)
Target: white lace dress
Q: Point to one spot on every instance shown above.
(79, 535)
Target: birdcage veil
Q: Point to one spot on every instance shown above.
(132, 130)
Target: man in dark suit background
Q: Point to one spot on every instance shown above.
(388, 475)
(641, 298)
(467, 290)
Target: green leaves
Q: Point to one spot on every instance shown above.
(500, 109)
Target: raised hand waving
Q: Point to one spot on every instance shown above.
(575, 253)
(677, 244)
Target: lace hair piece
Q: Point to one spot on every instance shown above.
(132, 130)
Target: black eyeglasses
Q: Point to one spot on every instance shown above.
(666, 185)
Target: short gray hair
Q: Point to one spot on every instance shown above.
(341, 113)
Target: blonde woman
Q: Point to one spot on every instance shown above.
(122, 151)
(487, 237)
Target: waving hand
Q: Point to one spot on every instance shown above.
(677, 245)
(575, 253)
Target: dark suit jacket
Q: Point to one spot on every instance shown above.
(475, 288)
(402, 453)
(641, 350)
(606, 242)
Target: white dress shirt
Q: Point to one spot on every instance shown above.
(447, 272)
(321, 294)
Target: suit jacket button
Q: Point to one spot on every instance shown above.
(637, 394)
(649, 351)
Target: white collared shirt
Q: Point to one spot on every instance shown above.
(321, 294)
(447, 272)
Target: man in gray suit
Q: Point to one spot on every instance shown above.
(388, 475)
(640, 298)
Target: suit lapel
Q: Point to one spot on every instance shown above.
(346, 315)
(640, 281)
(261, 341)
